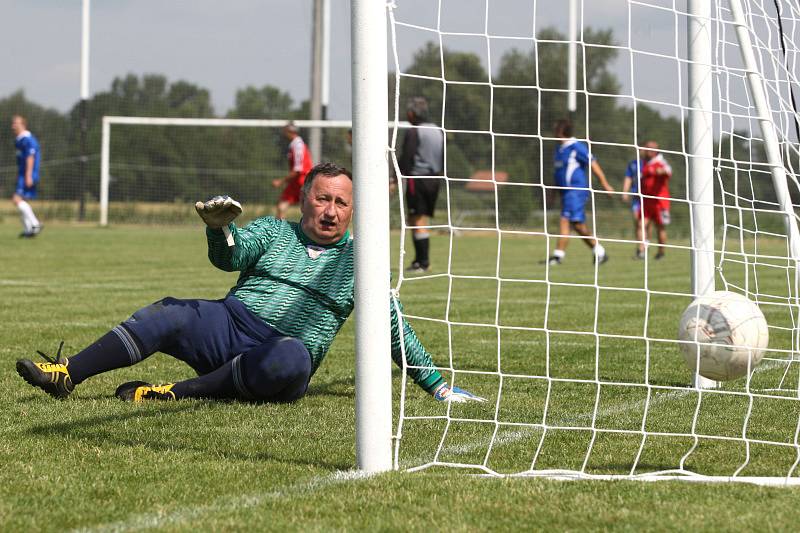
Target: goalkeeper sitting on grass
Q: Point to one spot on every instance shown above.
(268, 336)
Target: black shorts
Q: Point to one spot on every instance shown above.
(421, 195)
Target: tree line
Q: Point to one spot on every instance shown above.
(157, 163)
(524, 98)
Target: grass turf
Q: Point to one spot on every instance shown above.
(97, 464)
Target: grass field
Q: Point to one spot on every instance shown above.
(92, 463)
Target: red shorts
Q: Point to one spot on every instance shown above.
(657, 210)
(291, 193)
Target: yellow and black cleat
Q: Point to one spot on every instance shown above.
(52, 376)
(139, 391)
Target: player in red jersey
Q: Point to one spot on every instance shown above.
(299, 164)
(656, 173)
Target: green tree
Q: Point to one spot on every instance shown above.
(254, 148)
(530, 97)
(267, 102)
(453, 105)
(527, 96)
(155, 163)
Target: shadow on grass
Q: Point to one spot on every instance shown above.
(338, 388)
(107, 429)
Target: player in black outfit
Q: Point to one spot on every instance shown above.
(421, 162)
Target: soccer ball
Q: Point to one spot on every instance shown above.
(728, 330)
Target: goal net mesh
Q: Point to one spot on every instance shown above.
(579, 362)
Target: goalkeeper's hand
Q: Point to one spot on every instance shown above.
(446, 393)
(219, 211)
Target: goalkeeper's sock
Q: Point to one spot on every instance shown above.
(217, 384)
(276, 371)
(116, 349)
(422, 247)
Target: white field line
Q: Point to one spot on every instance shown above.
(513, 436)
(60, 324)
(228, 503)
(70, 285)
(590, 341)
(425, 299)
(655, 399)
(223, 504)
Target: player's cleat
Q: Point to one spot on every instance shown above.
(600, 260)
(35, 230)
(139, 391)
(52, 376)
(639, 255)
(417, 268)
(659, 256)
(553, 260)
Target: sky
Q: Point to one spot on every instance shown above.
(225, 46)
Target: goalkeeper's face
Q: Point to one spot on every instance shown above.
(327, 208)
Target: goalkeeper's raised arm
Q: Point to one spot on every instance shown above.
(268, 336)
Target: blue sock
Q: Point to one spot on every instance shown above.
(216, 384)
(116, 349)
(276, 371)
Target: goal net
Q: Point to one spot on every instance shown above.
(153, 169)
(579, 360)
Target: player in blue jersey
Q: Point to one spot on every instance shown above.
(28, 159)
(630, 190)
(572, 164)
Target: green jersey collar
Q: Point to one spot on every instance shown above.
(305, 239)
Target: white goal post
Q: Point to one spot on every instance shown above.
(370, 169)
(734, 118)
(371, 220)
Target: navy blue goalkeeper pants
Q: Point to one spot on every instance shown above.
(208, 334)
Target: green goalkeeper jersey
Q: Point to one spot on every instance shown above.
(305, 290)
